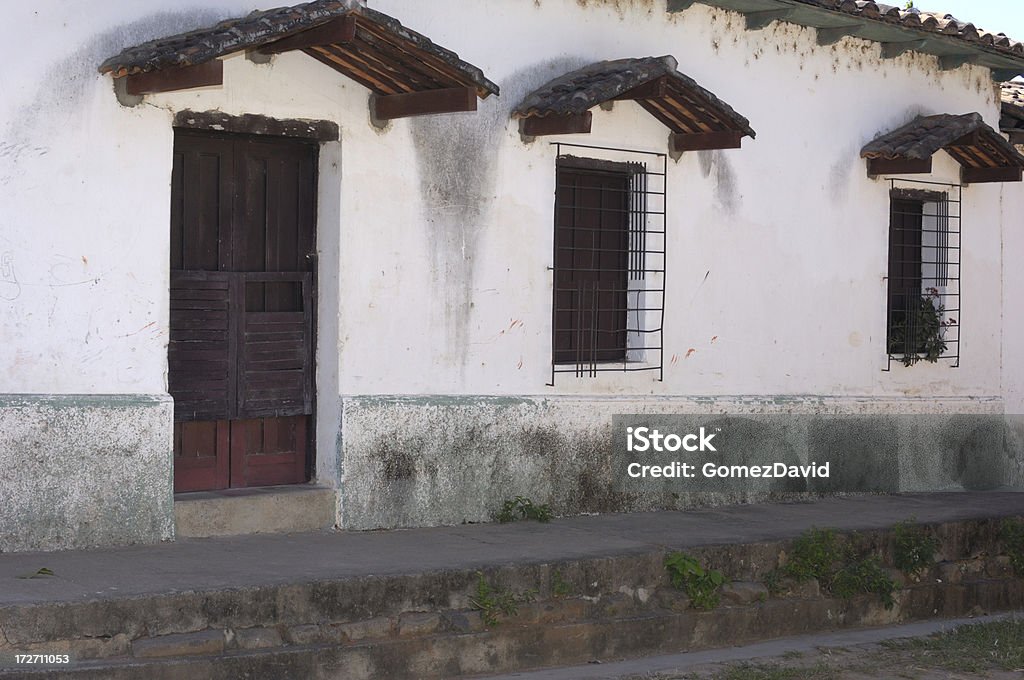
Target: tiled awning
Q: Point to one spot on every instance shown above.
(981, 151)
(408, 73)
(697, 118)
(1011, 122)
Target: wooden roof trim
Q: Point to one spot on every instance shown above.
(675, 100)
(367, 46)
(983, 154)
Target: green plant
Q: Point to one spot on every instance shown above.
(915, 548)
(919, 332)
(701, 585)
(491, 601)
(864, 576)
(819, 554)
(773, 582)
(559, 586)
(816, 554)
(523, 508)
(1012, 534)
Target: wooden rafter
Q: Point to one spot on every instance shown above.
(450, 100)
(337, 31)
(556, 125)
(898, 166)
(172, 79)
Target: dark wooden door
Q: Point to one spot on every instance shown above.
(591, 265)
(242, 297)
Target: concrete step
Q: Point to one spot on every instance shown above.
(446, 623)
(274, 509)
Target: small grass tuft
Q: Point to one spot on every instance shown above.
(971, 648)
(521, 507)
(915, 548)
(492, 601)
(1012, 534)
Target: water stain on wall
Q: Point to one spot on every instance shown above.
(456, 155)
(718, 163)
(67, 84)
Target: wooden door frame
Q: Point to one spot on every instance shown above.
(310, 133)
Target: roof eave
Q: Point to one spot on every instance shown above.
(952, 51)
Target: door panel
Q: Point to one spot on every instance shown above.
(201, 455)
(240, 355)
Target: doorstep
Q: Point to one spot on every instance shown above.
(262, 510)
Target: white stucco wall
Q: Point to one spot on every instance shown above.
(435, 234)
(445, 222)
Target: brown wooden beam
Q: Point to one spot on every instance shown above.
(254, 124)
(898, 166)
(450, 100)
(654, 89)
(982, 175)
(704, 141)
(180, 78)
(556, 125)
(335, 32)
(970, 139)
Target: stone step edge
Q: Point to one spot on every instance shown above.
(526, 646)
(344, 599)
(430, 624)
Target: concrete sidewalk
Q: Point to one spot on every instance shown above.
(226, 563)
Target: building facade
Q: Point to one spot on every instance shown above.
(317, 246)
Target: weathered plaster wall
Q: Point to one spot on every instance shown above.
(421, 461)
(435, 234)
(84, 471)
(1012, 204)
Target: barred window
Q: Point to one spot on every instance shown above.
(923, 300)
(608, 266)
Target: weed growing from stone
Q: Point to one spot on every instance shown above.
(915, 548)
(701, 585)
(816, 554)
(523, 508)
(819, 554)
(559, 586)
(864, 576)
(492, 602)
(773, 582)
(1012, 534)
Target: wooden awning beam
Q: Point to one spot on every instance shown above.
(898, 166)
(654, 89)
(449, 100)
(705, 141)
(335, 32)
(983, 175)
(571, 124)
(172, 79)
